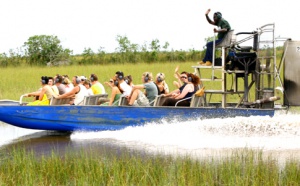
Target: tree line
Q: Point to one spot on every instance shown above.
(40, 50)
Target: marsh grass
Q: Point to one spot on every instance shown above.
(249, 167)
(20, 80)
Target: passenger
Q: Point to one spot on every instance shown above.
(115, 93)
(138, 98)
(44, 94)
(68, 84)
(224, 29)
(123, 86)
(58, 79)
(187, 90)
(162, 86)
(97, 87)
(78, 92)
(128, 80)
(52, 85)
(82, 79)
(87, 84)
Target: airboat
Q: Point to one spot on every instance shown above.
(252, 83)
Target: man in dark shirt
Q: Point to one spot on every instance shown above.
(223, 29)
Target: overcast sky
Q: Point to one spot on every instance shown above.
(96, 23)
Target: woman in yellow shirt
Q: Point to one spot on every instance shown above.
(44, 94)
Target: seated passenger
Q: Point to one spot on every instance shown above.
(88, 85)
(44, 94)
(139, 98)
(123, 86)
(52, 85)
(97, 87)
(163, 87)
(68, 84)
(115, 93)
(128, 80)
(78, 92)
(58, 79)
(187, 90)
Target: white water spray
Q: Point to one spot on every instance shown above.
(279, 133)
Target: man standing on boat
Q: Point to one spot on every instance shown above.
(223, 28)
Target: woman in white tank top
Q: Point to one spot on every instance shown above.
(79, 91)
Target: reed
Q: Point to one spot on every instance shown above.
(87, 167)
(20, 80)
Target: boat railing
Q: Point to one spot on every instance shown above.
(182, 100)
(196, 101)
(93, 99)
(21, 102)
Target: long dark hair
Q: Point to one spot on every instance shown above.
(194, 79)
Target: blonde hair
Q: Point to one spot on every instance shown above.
(161, 76)
(66, 81)
(148, 74)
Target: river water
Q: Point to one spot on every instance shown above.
(278, 136)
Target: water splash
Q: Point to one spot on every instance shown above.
(279, 133)
(8, 133)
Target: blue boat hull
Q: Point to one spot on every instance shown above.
(96, 118)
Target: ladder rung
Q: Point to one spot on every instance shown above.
(223, 92)
(266, 57)
(208, 67)
(211, 80)
(234, 71)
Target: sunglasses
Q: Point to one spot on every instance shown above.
(183, 77)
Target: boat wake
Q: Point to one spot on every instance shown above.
(279, 133)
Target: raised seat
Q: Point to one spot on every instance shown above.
(62, 101)
(226, 41)
(93, 99)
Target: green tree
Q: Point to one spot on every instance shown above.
(155, 48)
(41, 49)
(88, 56)
(127, 49)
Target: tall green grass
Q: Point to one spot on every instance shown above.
(16, 81)
(21, 167)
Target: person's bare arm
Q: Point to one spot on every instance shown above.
(208, 19)
(33, 94)
(177, 75)
(70, 94)
(108, 84)
(41, 95)
(172, 94)
(220, 30)
(185, 91)
(113, 95)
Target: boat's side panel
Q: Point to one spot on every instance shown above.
(69, 118)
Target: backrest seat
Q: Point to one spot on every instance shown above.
(93, 99)
(226, 42)
(62, 101)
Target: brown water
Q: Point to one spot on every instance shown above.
(278, 136)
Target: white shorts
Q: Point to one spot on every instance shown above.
(141, 100)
